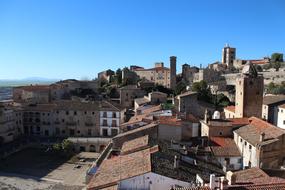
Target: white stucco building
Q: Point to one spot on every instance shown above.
(281, 116)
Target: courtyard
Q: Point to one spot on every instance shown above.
(35, 168)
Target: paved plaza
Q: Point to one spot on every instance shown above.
(32, 169)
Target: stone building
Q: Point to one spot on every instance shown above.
(281, 116)
(173, 72)
(11, 124)
(208, 75)
(153, 98)
(64, 89)
(159, 74)
(178, 127)
(128, 94)
(72, 119)
(270, 107)
(32, 94)
(188, 73)
(215, 126)
(188, 103)
(261, 144)
(249, 94)
(239, 63)
(226, 152)
(229, 55)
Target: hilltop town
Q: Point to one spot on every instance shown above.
(216, 127)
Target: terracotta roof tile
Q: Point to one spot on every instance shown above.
(223, 146)
(230, 108)
(135, 145)
(170, 120)
(239, 121)
(245, 176)
(111, 171)
(252, 132)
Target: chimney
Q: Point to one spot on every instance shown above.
(231, 177)
(176, 162)
(262, 135)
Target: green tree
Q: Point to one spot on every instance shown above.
(204, 92)
(56, 147)
(277, 57)
(180, 87)
(118, 76)
(276, 65)
(67, 146)
(130, 77)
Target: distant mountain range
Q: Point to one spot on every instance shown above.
(26, 81)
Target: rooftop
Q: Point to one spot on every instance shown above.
(245, 176)
(224, 147)
(135, 144)
(34, 88)
(268, 100)
(115, 169)
(230, 108)
(141, 101)
(239, 121)
(188, 93)
(282, 106)
(252, 132)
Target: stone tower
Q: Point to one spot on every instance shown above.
(172, 72)
(229, 55)
(249, 93)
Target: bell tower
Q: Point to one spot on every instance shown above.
(249, 92)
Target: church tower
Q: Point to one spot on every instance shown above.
(172, 72)
(249, 93)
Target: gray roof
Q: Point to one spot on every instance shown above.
(142, 100)
(188, 93)
(267, 100)
(251, 133)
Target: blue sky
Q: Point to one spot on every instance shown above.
(77, 39)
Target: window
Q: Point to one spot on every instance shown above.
(57, 131)
(221, 133)
(239, 160)
(114, 123)
(114, 114)
(245, 143)
(240, 139)
(249, 147)
(283, 122)
(105, 132)
(89, 132)
(105, 122)
(75, 113)
(67, 112)
(85, 112)
(93, 113)
(62, 120)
